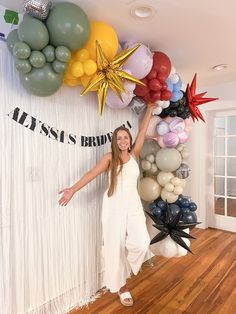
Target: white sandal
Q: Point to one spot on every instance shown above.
(126, 295)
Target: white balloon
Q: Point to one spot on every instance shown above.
(169, 187)
(166, 104)
(150, 158)
(168, 159)
(156, 111)
(149, 189)
(146, 165)
(160, 103)
(180, 250)
(174, 78)
(168, 248)
(164, 177)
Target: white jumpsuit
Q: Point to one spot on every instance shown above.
(125, 236)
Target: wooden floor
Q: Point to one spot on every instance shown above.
(204, 282)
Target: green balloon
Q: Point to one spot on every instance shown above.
(23, 66)
(42, 82)
(37, 59)
(21, 50)
(49, 53)
(12, 38)
(34, 33)
(59, 67)
(63, 53)
(68, 26)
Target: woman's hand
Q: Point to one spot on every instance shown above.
(66, 196)
(151, 105)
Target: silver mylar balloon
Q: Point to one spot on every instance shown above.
(137, 105)
(183, 171)
(37, 8)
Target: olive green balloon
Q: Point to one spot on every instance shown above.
(58, 66)
(34, 33)
(42, 82)
(23, 66)
(21, 50)
(68, 26)
(63, 53)
(12, 38)
(37, 59)
(49, 53)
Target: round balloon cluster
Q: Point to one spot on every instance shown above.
(183, 204)
(171, 132)
(156, 87)
(42, 50)
(177, 108)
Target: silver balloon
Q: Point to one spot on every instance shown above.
(183, 171)
(37, 8)
(137, 105)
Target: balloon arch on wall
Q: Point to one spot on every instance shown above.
(59, 45)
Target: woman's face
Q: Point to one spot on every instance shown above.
(123, 140)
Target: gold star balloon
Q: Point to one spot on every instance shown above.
(110, 74)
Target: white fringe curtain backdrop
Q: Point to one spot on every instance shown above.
(50, 256)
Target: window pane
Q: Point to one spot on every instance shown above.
(231, 187)
(219, 186)
(231, 146)
(231, 125)
(231, 207)
(220, 126)
(219, 146)
(231, 166)
(219, 205)
(220, 166)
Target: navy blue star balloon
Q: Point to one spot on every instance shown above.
(170, 225)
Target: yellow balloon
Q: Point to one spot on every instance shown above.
(107, 38)
(81, 55)
(90, 67)
(71, 82)
(85, 80)
(77, 69)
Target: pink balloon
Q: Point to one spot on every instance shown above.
(160, 142)
(140, 62)
(177, 125)
(114, 102)
(170, 140)
(183, 137)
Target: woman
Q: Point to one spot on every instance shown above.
(125, 236)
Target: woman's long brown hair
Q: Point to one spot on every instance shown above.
(116, 160)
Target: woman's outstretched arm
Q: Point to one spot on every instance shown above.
(142, 130)
(100, 167)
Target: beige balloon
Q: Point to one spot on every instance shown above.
(168, 159)
(164, 177)
(149, 189)
(178, 190)
(168, 196)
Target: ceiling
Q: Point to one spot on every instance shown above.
(196, 35)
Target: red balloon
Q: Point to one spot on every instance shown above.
(166, 95)
(155, 85)
(147, 98)
(152, 74)
(161, 63)
(141, 90)
(162, 77)
(164, 86)
(154, 96)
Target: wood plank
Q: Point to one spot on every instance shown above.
(203, 282)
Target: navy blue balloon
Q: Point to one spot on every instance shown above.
(184, 202)
(152, 206)
(175, 209)
(161, 204)
(157, 212)
(192, 206)
(185, 210)
(190, 217)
